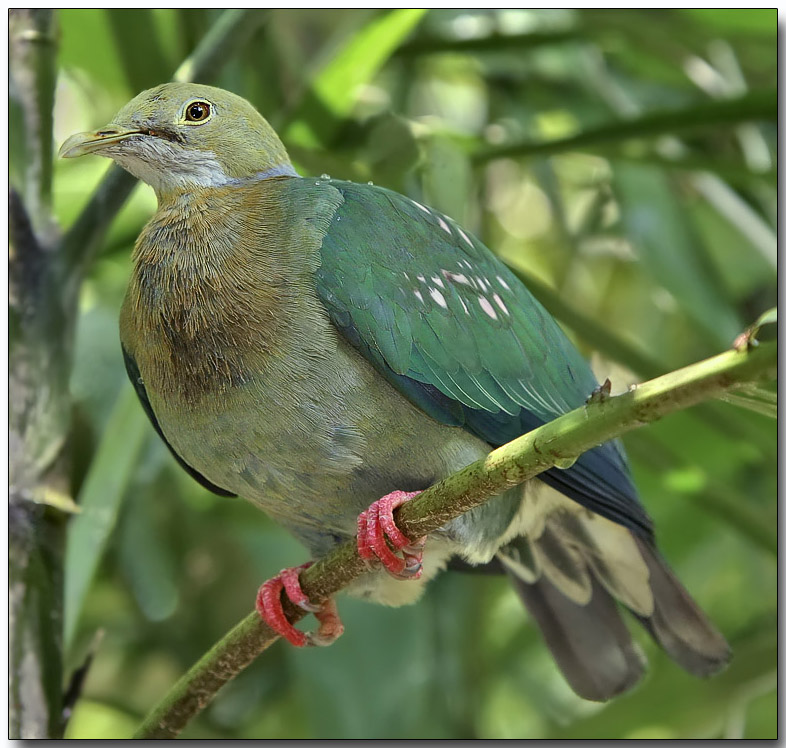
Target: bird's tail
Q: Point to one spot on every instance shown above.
(571, 578)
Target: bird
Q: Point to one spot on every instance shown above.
(327, 350)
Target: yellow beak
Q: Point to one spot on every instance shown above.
(92, 142)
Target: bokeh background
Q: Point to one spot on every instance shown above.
(624, 163)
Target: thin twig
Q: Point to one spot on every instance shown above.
(563, 439)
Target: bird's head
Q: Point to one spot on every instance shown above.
(179, 136)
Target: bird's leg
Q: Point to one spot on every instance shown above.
(377, 529)
(269, 608)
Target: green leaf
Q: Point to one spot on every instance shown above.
(400, 677)
(93, 720)
(334, 89)
(770, 317)
(99, 499)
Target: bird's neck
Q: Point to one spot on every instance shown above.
(180, 185)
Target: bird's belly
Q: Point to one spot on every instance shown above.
(315, 450)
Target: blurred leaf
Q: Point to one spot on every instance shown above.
(750, 224)
(99, 500)
(391, 147)
(430, 44)
(146, 65)
(736, 20)
(447, 178)
(147, 561)
(93, 720)
(87, 44)
(770, 317)
(402, 686)
(744, 270)
(334, 89)
(757, 399)
(229, 32)
(654, 220)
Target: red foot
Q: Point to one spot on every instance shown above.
(269, 608)
(376, 527)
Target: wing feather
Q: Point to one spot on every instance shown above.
(458, 334)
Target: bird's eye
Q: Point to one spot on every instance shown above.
(197, 111)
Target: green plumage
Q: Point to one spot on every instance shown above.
(312, 344)
(456, 332)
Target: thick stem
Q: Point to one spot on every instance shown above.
(563, 439)
(33, 47)
(38, 377)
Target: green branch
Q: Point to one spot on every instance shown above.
(756, 105)
(429, 45)
(557, 442)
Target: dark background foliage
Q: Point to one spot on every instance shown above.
(623, 161)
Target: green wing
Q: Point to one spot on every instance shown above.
(456, 332)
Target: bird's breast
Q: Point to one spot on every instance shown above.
(250, 382)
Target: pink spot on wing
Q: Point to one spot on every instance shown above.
(463, 235)
(501, 304)
(485, 305)
(438, 297)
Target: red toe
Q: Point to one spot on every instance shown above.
(290, 578)
(377, 528)
(364, 548)
(376, 539)
(270, 609)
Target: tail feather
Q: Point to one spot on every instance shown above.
(563, 565)
(571, 577)
(613, 556)
(678, 624)
(590, 643)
